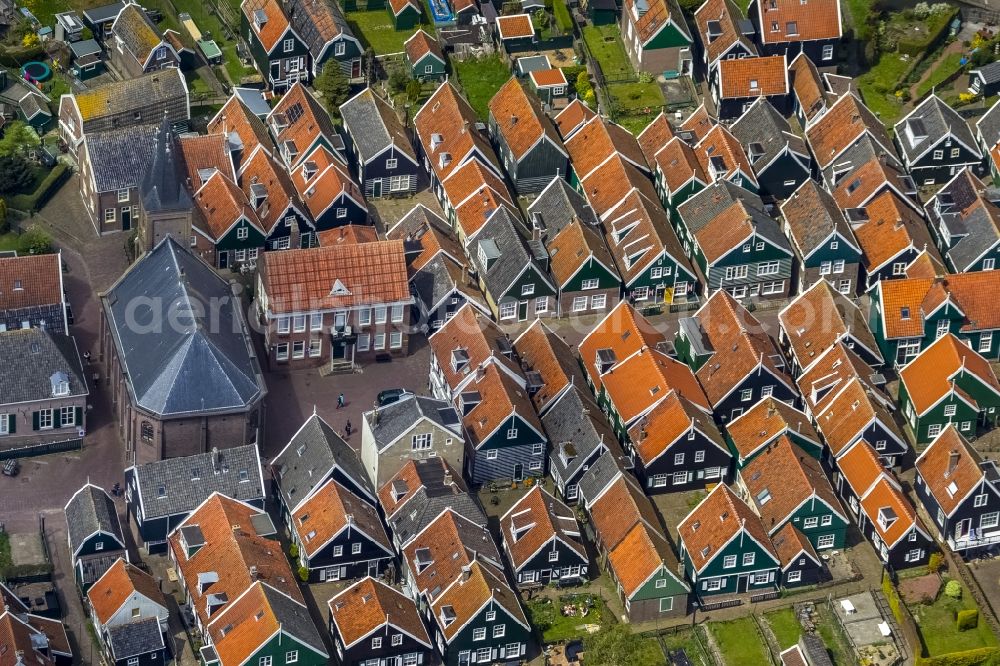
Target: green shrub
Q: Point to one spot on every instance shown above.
(35, 240)
(45, 190)
(563, 18)
(953, 589)
(304, 574)
(967, 619)
(975, 657)
(293, 551)
(934, 563)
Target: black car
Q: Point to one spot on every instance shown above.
(389, 396)
(11, 467)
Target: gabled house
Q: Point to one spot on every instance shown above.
(299, 125)
(737, 246)
(551, 87)
(111, 167)
(722, 157)
(882, 512)
(136, 642)
(583, 269)
(818, 319)
(95, 536)
(964, 217)
(891, 235)
(345, 314)
(763, 425)
(370, 620)
(161, 494)
(244, 129)
(527, 141)
(725, 548)
(339, 535)
(278, 53)
(32, 293)
(787, 487)
(831, 371)
(984, 80)
(512, 272)
(988, 139)
(735, 360)
(863, 172)
(656, 36)
(579, 435)
(641, 563)
(542, 542)
(470, 196)
(780, 159)
(800, 563)
(384, 157)
(156, 411)
(228, 233)
(404, 13)
(811, 97)
(854, 413)
(593, 141)
(515, 33)
(935, 142)
(958, 489)
(425, 57)
(328, 191)
(281, 213)
(572, 118)
(821, 236)
(907, 315)
(725, 35)
(123, 594)
(812, 28)
(677, 175)
(845, 122)
(137, 45)
(438, 268)
(413, 428)
(549, 365)
(30, 637)
(741, 81)
(44, 392)
(948, 383)
(314, 455)
(325, 30)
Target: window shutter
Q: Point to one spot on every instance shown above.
(79, 417)
(12, 423)
(56, 418)
(34, 420)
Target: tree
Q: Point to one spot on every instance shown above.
(614, 646)
(35, 241)
(15, 174)
(332, 83)
(4, 224)
(414, 90)
(19, 138)
(398, 80)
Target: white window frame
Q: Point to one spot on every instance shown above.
(749, 559)
(794, 576)
(579, 303)
(391, 163)
(508, 310)
(590, 283)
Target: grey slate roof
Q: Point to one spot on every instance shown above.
(138, 34)
(812, 214)
(558, 205)
(374, 126)
(253, 100)
(188, 481)
(990, 72)
(163, 88)
(161, 188)
(199, 359)
(576, 427)
(119, 157)
(441, 277)
(91, 510)
(938, 120)
(764, 126)
(503, 229)
(318, 22)
(135, 638)
(426, 504)
(84, 47)
(103, 13)
(703, 207)
(31, 356)
(310, 457)
(968, 209)
(601, 474)
(397, 418)
(989, 125)
(293, 618)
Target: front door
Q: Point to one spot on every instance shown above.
(377, 188)
(126, 218)
(518, 471)
(339, 350)
(962, 529)
(522, 311)
(356, 68)
(742, 583)
(223, 260)
(275, 71)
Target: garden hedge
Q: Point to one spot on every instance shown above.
(968, 619)
(563, 18)
(966, 658)
(32, 202)
(939, 30)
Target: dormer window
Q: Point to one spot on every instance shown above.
(258, 194)
(459, 360)
(886, 517)
(444, 160)
(436, 140)
(259, 18)
(339, 289)
(447, 615)
(60, 384)
(423, 559)
(309, 169)
(606, 360)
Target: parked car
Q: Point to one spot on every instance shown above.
(389, 396)
(11, 467)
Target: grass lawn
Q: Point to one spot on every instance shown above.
(481, 79)
(5, 559)
(685, 639)
(785, 626)
(878, 85)
(375, 29)
(740, 643)
(860, 11)
(208, 22)
(605, 44)
(937, 626)
(46, 10)
(555, 627)
(649, 654)
(945, 68)
(635, 123)
(840, 651)
(636, 96)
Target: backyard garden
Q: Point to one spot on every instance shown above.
(948, 620)
(480, 79)
(569, 616)
(740, 642)
(375, 30)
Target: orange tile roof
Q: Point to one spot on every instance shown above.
(655, 136)
(863, 182)
(516, 26)
(720, 142)
(275, 26)
(305, 280)
(576, 244)
(638, 382)
(478, 337)
(204, 152)
(624, 331)
(638, 556)
(973, 294)
(421, 44)
(608, 184)
(951, 468)
(788, 543)
(885, 495)
(861, 467)
(699, 123)
(231, 547)
(781, 478)
(535, 520)
(222, 203)
(830, 372)
(447, 124)
(370, 604)
(399, 5)
(845, 121)
(656, 16)
(117, 585)
(740, 344)
(930, 376)
(798, 21)
(30, 281)
(664, 424)
(519, 118)
(476, 191)
(847, 414)
(765, 421)
(501, 398)
(753, 77)
(349, 234)
(818, 318)
(17, 644)
(305, 119)
(543, 351)
(262, 169)
(727, 14)
(471, 593)
(547, 78)
(622, 506)
(726, 231)
(573, 117)
(678, 164)
(598, 140)
(892, 227)
(807, 86)
(328, 511)
(717, 519)
(331, 180)
(652, 232)
(235, 118)
(926, 266)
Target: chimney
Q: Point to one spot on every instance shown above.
(253, 571)
(952, 463)
(480, 372)
(447, 477)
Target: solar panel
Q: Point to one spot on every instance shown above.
(294, 113)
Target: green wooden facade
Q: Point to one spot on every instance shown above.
(463, 645)
(408, 17)
(760, 251)
(282, 648)
(969, 416)
(816, 519)
(437, 68)
(591, 270)
(753, 568)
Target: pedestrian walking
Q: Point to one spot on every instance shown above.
(340, 401)
(347, 428)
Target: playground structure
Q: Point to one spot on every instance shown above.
(208, 47)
